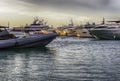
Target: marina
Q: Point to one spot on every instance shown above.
(59, 40)
(50, 54)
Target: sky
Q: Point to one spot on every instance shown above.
(57, 12)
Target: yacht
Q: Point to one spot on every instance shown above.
(8, 40)
(33, 28)
(107, 31)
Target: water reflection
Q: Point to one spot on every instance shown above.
(69, 59)
(33, 64)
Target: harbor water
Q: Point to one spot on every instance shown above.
(64, 59)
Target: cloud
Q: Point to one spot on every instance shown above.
(91, 4)
(73, 6)
(61, 9)
(64, 6)
(115, 4)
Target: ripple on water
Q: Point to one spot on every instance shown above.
(64, 59)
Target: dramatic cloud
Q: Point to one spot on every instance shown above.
(60, 9)
(64, 6)
(75, 4)
(86, 7)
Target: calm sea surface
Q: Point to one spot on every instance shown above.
(64, 59)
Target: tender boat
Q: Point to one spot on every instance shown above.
(107, 31)
(35, 40)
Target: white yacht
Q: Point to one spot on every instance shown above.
(107, 31)
(33, 28)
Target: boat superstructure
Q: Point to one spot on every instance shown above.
(33, 28)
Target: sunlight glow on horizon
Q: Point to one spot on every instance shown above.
(19, 13)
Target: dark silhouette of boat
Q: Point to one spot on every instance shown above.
(36, 40)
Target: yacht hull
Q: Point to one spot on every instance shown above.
(106, 34)
(39, 40)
